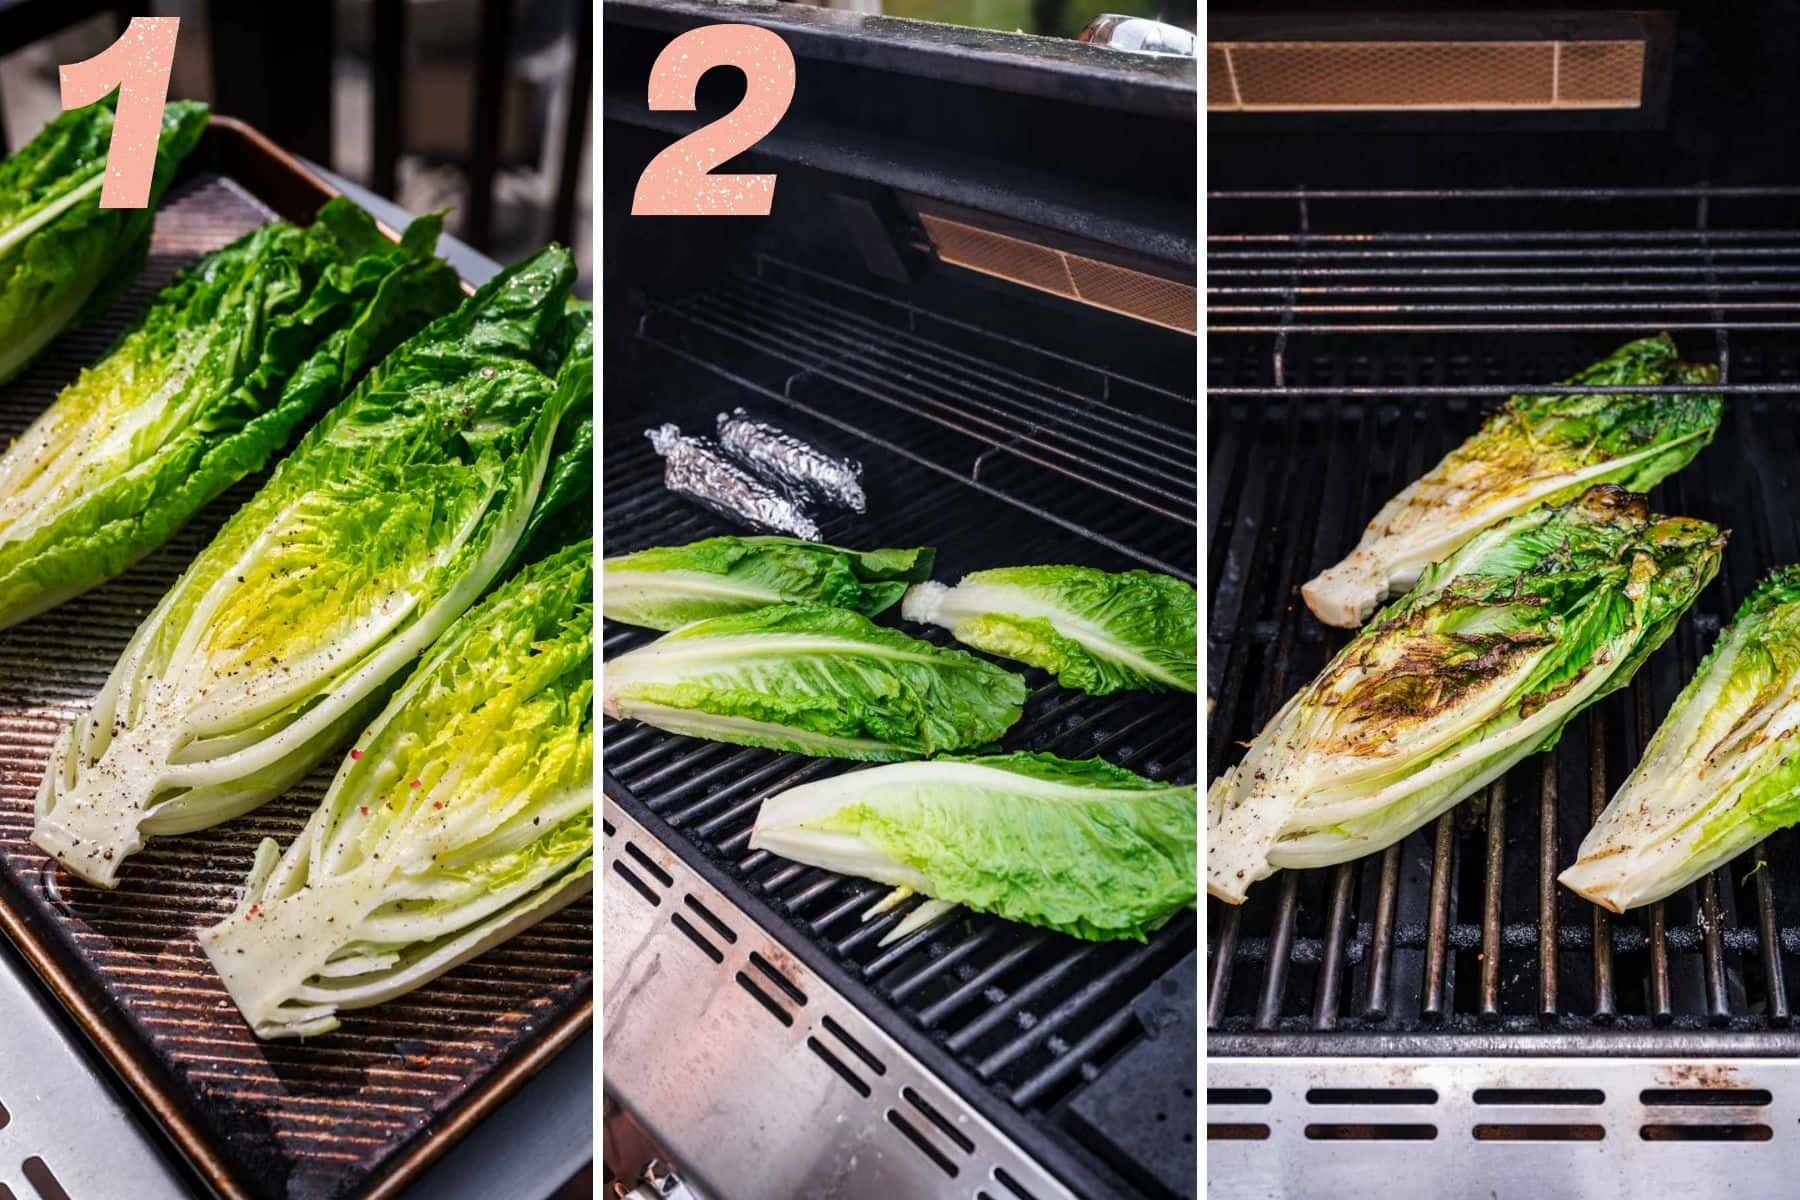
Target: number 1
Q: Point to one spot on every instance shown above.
(138, 65)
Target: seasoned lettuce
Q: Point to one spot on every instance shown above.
(1543, 449)
(1096, 631)
(1085, 848)
(1482, 663)
(1721, 774)
(667, 587)
(463, 815)
(394, 513)
(232, 358)
(815, 680)
(62, 257)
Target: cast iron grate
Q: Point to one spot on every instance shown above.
(970, 445)
(1358, 337)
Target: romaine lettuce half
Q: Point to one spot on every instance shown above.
(1543, 449)
(388, 520)
(667, 587)
(1096, 631)
(815, 680)
(1721, 774)
(1085, 848)
(62, 257)
(1482, 663)
(232, 358)
(463, 815)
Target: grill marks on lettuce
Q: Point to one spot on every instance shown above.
(1482, 663)
(388, 520)
(1538, 449)
(666, 587)
(230, 360)
(814, 680)
(1720, 774)
(464, 815)
(62, 257)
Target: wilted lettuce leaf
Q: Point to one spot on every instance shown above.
(1096, 631)
(1482, 663)
(233, 357)
(463, 814)
(814, 680)
(666, 587)
(62, 256)
(1542, 449)
(1721, 774)
(1085, 848)
(389, 519)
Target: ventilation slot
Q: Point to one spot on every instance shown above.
(1539, 1096)
(1237, 1095)
(1706, 1133)
(629, 876)
(855, 1047)
(1077, 277)
(749, 985)
(39, 1176)
(1539, 1133)
(937, 1118)
(836, 1064)
(650, 868)
(1012, 1185)
(706, 914)
(918, 1139)
(1371, 1133)
(695, 936)
(1371, 1096)
(1227, 1132)
(777, 978)
(1707, 1097)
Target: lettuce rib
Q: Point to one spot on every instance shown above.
(464, 814)
(387, 521)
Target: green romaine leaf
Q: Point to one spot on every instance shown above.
(670, 586)
(63, 258)
(814, 680)
(463, 815)
(392, 516)
(1482, 663)
(1085, 848)
(1721, 774)
(234, 356)
(1096, 631)
(1544, 449)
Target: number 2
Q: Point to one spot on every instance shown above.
(678, 183)
(138, 65)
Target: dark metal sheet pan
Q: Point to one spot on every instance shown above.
(357, 1113)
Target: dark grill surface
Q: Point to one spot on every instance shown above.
(996, 453)
(1358, 337)
(321, 1119)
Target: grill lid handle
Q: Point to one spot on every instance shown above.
(1138, 35)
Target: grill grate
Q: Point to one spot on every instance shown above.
(945, 417)
(1358, 347)
(336, 1115)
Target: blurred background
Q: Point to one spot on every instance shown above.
(1052, 18)
(478, 106)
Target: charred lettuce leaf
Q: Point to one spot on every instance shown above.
(1721, 774)
(815, 680)
(62, 257)
(667, 587)
(1482, 663)
(1096, 631)
(234, 356)
(391, 517)
(1084, 848)
(1544, 449)
(463, 815)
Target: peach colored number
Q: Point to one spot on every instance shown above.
(678, 183)
(138, 65)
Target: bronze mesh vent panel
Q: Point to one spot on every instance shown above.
(1089, 280)
(1326, 76)
(330, 1117)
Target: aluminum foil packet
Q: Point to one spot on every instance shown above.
(699, 469)
(779, 455)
